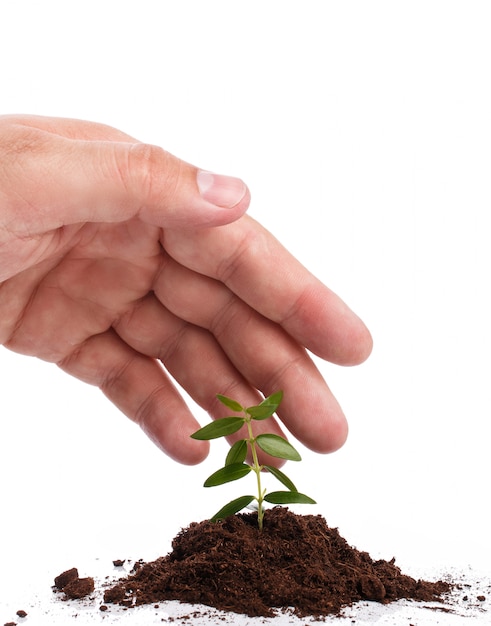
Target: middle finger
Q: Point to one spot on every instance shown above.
(261, 350)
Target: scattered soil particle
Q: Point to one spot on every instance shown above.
(118, 562)
(21, 613)
(297, 562)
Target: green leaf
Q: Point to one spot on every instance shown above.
(281, 477)
(274, 398)
(288, 497)
(232, 507)
(231, 404)
(267, 407)
(227, 474)
(237, 453)
(219, 428)
(278, 447)
(261, 412)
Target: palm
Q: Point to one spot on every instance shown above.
(99, 278)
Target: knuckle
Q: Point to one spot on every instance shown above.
(151, 172)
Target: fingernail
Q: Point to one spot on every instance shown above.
(223, 191)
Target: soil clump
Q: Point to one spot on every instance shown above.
(296, 563)
(73, 586)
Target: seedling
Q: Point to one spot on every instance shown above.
(235, 464)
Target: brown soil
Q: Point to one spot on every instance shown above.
(64, 578)
(297, 562)
(73, 586)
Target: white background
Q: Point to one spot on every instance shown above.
(363, 130)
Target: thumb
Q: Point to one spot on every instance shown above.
(57, 181)
(169, 192)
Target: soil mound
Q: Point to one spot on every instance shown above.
(297, 562)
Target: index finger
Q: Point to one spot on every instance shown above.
(259, 270)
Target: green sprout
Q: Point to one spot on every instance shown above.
(235, 464)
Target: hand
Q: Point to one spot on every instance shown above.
(129, 268)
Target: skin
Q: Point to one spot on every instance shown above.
(122, 265)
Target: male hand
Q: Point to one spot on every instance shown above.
(130, 268)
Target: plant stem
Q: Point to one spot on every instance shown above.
(257, 468)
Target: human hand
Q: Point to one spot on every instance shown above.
(117, 258)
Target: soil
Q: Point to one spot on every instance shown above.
(73, 586)
(296, 563)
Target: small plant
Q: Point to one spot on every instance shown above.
(235, 464)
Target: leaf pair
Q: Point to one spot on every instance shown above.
(267, 407)
(275, 497)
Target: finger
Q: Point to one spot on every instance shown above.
(70, 181)
(265, 355)
(194, 359)
(140, 389)
(258, 269)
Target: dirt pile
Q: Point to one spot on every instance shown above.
(297, 562)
